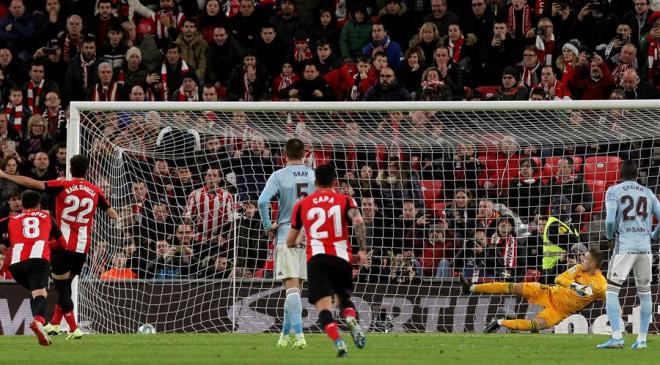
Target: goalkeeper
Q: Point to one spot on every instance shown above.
(575, 289)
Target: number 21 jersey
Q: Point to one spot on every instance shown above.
(76, 201)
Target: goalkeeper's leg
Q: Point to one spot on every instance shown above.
(498, 288)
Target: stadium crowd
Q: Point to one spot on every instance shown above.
(490, 216)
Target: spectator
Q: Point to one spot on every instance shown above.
(554, 89)
(16, 111)
(36, 138)
(496, 54)
(104, 20)
(285, 79)
(634, 88)
(623, 36)
(479, 22)
(210, 207)
(461, 48)
(623, 61)
(436, 254)
(592, 79)
(526, 196)
(450, 73)
(486, 217)
(374, 222)
(426, 40)
(165, 23)
(222, 55)
(252, 243)
(41, 170)
(37, 88)
(545, 42)
(193, 48)
(472, 259)
(410, 74)
(217, 267)
(637, 19)
(114, 49)
(286, 21)
(58, 155)
(81, 75)
(512, 88)
(106, 89)
(145, 42)
(501, 167)
(247, 23)
(48, 22)
(133, 71)
(388, 89)
(212, 18)
(8, 136)
(433, 85)
(11, 205)
(272, 51)
(55, 117)
(189, 90)
(166, 264)
(118, 270)
(252, 167)
(210, 93)
(396, 18)
(311, 87)
(460, 213)
(9, 189)
(249, 81)
(355, 34)
(158, 222)
(325, 27)
(396, 185)
(51, 57)
(530, 67)
(172, 72)
(380, 41)
(506, 241)
(17, 30)
(441, 17)
(570, 185)
(71, 39)
(300, 53)
(363, 78)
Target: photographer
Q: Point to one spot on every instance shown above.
(623, 36)
(593, 25)
(544, 40)
(562, 16)
(592, 79)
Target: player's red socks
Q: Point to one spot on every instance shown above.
(39, 319)
(57, 315)
(71, 320)
(348, 312)
(332, 330)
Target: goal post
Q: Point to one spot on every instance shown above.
(446, 188)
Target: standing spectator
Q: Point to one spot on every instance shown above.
(193, 48)
(501, 167)
(396, 186)
(637, 19)
(312, 87)
(145, 42)
(17, 30)
(526, 196)
(355, 34)
(37, 88)
(172, 72)
(530, 67)
(592, 79)
(441, 17)
(106, 89)
(388, 89)
(506, 242)
(330, 65)
(461, 48)
(82, 72)
(58, 154)
(133, 71)
(512, 88)
(381, 42)
(252, 243)
(252, 166)
(571, 186)
(222, 55)
(519, 19)
(114, 49)
(286, 21)
(546, 45)
(210, 207)
(54, 66)
(72, 38)
(49, 22)
(623, 36)
(249, 81)
(479, 21)
(396, 18)
(166, 22)
(496, 54)
(166, 264)
(271, 50)
(101, 23)
(624, 61)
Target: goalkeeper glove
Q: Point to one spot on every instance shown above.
(582, 290)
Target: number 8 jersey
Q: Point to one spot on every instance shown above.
(29, 235)
(76, 201)
(324, 215)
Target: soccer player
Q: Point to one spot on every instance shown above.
(29, 254)
(575, 289)
(76, 201)
(289, 184)
(324, 215)
(630, 209)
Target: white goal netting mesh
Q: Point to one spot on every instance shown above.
(442, 193)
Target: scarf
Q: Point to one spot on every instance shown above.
(17, 113)
(302, 54)
(526, 20)
(66, 50)
(32, 101)
(538, 9)
(356, 95)
(56, 121)
(183, 96)
(247, 86)
(85, 66)
(432, 85)
(529, 77)
(285, 81)
(121, 78)
(545, 49)
(510, 250)
(565, 179)
(617, 73)
(163, 77)
(104, 93)
(455, 49)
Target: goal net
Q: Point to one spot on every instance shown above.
(445, 188)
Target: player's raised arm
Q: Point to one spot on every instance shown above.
(24, 181)
(263, 202)
(611, 208)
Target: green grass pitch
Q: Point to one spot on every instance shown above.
(381, 349)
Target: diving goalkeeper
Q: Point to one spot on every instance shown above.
(575, 289)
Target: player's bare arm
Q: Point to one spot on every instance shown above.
(292, 238)
(360, 232)
(112, 213)
(24, 181)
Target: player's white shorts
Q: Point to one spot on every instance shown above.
(290, 262)
(621, 264)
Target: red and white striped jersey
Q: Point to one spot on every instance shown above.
(76, 201)
(324, 216)
(29, 233)
(209, 210)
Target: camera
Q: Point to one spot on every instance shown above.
(49, 50)
(540, 31)
(619, 36)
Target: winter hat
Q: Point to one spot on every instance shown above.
(573, 45)
(133, 51)
(510, 70)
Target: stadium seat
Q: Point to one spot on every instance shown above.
(487, 92)
(431, 191)
(603, 168)
(597, 188)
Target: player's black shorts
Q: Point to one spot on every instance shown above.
(31, 274)
(328, 275)
(67, 261)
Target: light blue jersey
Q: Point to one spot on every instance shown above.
(630, 210)
(289, 184)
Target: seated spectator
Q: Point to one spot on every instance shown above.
(54, 65)
(248, 81)
(406, 231)
(271, 49)
(144, 41)
(388, 89)
(396, 185)
(652, 41)
(286, 21)
(623, 61)
(427, 39)
(173, 70)
(312, 87)
(506, 241)
(166, 21)
(8, 189)
(36, 138)
(285, 79)
(16, 112)
(166, 264)
(189, 90)
(410, 74)
(436, 254)
(252, 167)
(157, 222)
(530, 67)
(569, 184)
(246, 24)
(5, 274)
(17, 30)
(58, 154)
(364, 77)
(462, 50)
(252, 243)
(325, 27)
(193, 48)
(212, 16)
(301, 52)
(133, 71)
(635, 88)
(486, 217)
(433, 84)
(501, 167)
(106, 89)
(217, 267)
(512, 88)
(13, 204)
(405, 269)
(460, 213)
(118, 270)
(55, 117)
(497, 54)
(450, 73)
(114, 49)
(11, 67)
(623, 36)
(554, 89)
(371, 271)
(210, 207)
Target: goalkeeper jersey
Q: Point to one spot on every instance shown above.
(568, 300)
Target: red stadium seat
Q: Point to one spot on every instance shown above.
(487, 92)
(604, 168)
(597, 188)
(431, 191)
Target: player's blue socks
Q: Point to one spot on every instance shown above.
(645, 314)
(613, 309)
(286, 323)
(293, 307)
